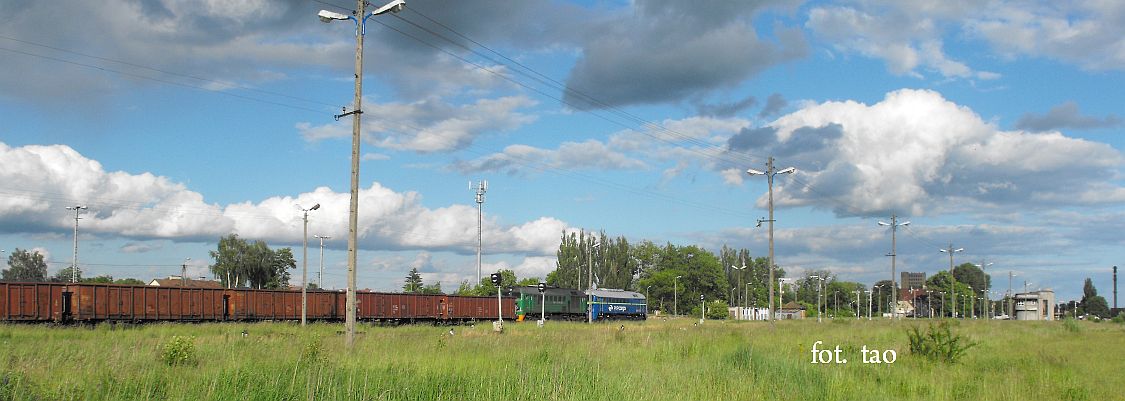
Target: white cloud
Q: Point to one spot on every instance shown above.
(906, 35)
(1090, 34)
(916, 153)
(51, 177)
(430, 125)
(517, 159)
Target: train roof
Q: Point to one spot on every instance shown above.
(531, 289)
(611, 293)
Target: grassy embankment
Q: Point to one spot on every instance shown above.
(655, 360)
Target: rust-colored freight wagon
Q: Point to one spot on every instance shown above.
(248, 304)
(478, 308)
(31, 302)
(89, 302)
(97, 302)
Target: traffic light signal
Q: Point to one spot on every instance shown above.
(700, 297)
(542, 287)
(496, 278)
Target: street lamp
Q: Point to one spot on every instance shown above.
(305, 261)
(894, 224)
(320, 277)
(952, 251)
(746, 300)
(740, 269)
(770, 173)
(676, 296)
(647, 300)
(353, 206)
(819, 280)
(590, 294)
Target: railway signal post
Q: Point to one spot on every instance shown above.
(499, 325)
(542, 303)
(702, 309)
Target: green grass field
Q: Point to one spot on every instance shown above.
(654, 360)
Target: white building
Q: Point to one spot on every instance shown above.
(1035, 305)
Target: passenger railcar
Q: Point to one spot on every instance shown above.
(617, 304)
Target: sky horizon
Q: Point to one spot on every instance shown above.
(995, 127)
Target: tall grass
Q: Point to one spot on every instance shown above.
(654, 360)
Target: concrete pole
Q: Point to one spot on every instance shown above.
(769, 178)
(353, 205)
(305, 268)
(320, 277)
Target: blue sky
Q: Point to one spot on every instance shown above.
(993, 126)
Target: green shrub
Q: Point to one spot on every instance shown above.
(938, 343)
(179, 351)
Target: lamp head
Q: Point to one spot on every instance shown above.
(316, 206)
(392, 7)
(789, 170)
(754, 172)
(328, 16)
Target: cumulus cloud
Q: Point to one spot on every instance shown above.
(916, 153)
(145, 207)
(906, 35)
(430, 125)
(654, 54)
(1090, 34)
(519, 159)
(1065, 115)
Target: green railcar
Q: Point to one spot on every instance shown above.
(560, 303)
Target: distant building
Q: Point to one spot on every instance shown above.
(740, 313)
(791, 310)
(1035, 305)
(912, 280)
(177, 281)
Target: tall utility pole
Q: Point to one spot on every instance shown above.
(952, 251)
(770, 173)
(590, 295)
(360, 19)
(676, 296)
(1114, 287)
(305, 263)
(482, 187)
(74, 265)
(894, 224)
(320, 277)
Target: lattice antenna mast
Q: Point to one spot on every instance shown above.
(74, 265)
(482, 187)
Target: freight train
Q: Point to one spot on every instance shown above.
(570, 304)
(91, 303)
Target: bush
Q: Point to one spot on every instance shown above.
(179, 351)
(1120, 318)
(938, 343)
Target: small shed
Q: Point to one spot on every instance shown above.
(789, 311)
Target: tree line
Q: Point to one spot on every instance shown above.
(25, 266)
